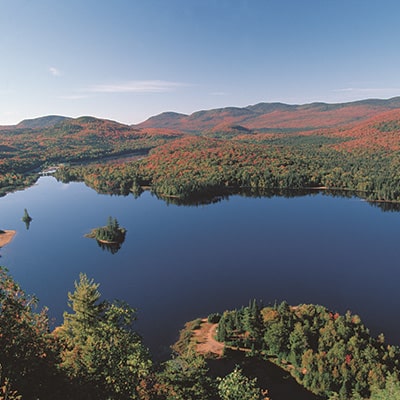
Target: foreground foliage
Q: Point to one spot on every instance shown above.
(185, 377)
(238, 386)
(99, 348)
(28, 354)
(95, 353)
(329, 354)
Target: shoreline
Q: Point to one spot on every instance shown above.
(7, 237)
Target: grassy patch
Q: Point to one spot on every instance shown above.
(185, 341)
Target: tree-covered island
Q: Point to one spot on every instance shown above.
(111, 233)
(26, 218)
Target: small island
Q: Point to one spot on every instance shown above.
(26, 218)
(112, 233)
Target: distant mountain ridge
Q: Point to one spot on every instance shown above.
(267, 116)
(261, 117)
(42, 122)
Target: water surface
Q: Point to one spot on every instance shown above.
(178, 262)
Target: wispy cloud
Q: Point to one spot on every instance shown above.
(150, 86)
(55, 71)
(370, 91)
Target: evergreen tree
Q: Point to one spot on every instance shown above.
(100, 349)
(185, 378)
(237, 386)
(221, 332)
(252, 321)
(390, 391)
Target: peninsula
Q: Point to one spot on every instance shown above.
(6, 236)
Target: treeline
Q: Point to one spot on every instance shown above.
(331, 355)
(195, 166)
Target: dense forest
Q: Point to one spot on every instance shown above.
(96, 354)
(194, 166)
(332, 355)
(351, 147)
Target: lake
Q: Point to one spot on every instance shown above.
(180, 262)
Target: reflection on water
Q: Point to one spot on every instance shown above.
(387, 207)
(212, 198)
(113, 248)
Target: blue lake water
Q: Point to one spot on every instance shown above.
(179, 262)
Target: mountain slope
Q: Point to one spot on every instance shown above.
(274, 116)
(42, 122)
(379, 131)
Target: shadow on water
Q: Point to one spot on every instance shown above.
(279, 383)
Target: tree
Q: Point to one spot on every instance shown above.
(100, 349)
(237, 386)
(28, 354)
(221, 331)
(252, 321)
(185, 378)
(297, 344)
(6, 391)
(390, 391)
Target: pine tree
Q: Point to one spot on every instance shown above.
(237, 386)
(84, 301)
(186, 378)
(221, 333)
(100, 349)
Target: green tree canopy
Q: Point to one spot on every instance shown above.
(237, 386)
(27, 352)
(100, 349)
(185, 378)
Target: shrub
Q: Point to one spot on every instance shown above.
(214, 318)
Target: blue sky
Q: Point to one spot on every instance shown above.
(127, 60)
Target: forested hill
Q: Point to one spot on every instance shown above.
(42, 122)
(274, 116)
(349, 146)
(32, 144)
